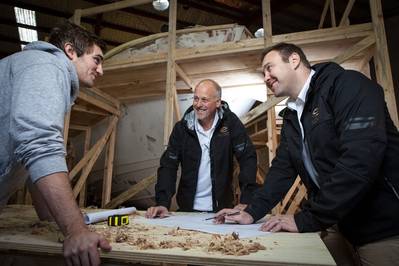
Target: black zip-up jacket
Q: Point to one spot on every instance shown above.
(229, 138)
(354, 147)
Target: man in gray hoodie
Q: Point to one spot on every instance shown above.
(37, 87)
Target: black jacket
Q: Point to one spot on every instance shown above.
(229, 138)
(354, 147)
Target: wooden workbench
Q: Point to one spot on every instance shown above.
(20, 233)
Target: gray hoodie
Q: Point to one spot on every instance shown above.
(37, 87)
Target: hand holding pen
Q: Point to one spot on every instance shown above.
(232, 215)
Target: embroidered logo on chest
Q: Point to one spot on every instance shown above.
(315, 115)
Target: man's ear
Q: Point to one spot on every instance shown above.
(295, 60)
(218, 103)
(70, 51)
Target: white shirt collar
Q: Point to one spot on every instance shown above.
(291, 103)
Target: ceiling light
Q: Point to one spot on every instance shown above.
(160, 5)
(259, 33)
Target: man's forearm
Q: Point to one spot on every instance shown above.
(57, 193)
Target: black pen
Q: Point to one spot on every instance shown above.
(227, 214)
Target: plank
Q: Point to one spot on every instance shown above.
(267, 22)
(86, 148)
(108, 170)
(113, 6)
(355, 49)
(261, 109)
(324, 13)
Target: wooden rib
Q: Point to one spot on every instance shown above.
(324, 13)
(176, 104)
(106, 96)
(271, 134)
(243, 46)
(153, 37)
(355, 49)
(79, 127)
(109, 164)
(347, 11)
(93, 159)
(128, 194)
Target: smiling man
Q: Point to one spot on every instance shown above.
(37, 87)
(204, 143)
(339, 138)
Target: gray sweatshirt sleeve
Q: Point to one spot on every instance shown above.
(39, 104)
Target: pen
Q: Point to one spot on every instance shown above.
(227, 214)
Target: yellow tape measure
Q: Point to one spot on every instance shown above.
(118, 220)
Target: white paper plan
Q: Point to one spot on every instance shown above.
(196, 221)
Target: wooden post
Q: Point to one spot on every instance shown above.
(324, 13)
(267, 22)
(332, 13)
(170, 72)
(82, 194)
(109, 164)
(347, 11)
(381, 59)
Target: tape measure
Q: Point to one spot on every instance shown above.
(118, 220)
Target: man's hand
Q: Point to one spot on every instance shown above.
(241, 218)
(81, 248)
(157, 211)
(240, 206)
(280, 223)
(80, 245)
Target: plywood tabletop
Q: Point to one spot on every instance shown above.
(21, 231)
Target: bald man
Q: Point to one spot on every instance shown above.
(204, 143)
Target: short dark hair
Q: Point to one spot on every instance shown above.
(81, 39)
(215, 85)
(285, 50)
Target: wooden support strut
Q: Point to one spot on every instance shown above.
(347, 11)
(142, 184)
(108, 170)
(93, 159)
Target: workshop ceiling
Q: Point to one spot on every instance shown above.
(118, 27)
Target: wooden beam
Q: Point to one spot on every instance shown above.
(261, 109)
(271, 134)
(382, 63)
(170, 73)
(128, 194)
(113, 6)
(324, 13)
(347, 11)
(86, 109)
(267, 22)
(184, 77)
(106, 96)
(332, 13)
(355, 49)
(98, 102)
(85, 173)
(176, 105)
(108, 170)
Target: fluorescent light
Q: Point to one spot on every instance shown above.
(26, 17)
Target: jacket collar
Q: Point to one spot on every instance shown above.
(189, 115)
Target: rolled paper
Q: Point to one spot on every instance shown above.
(95, 217)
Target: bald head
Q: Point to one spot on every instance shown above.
(210, 83)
